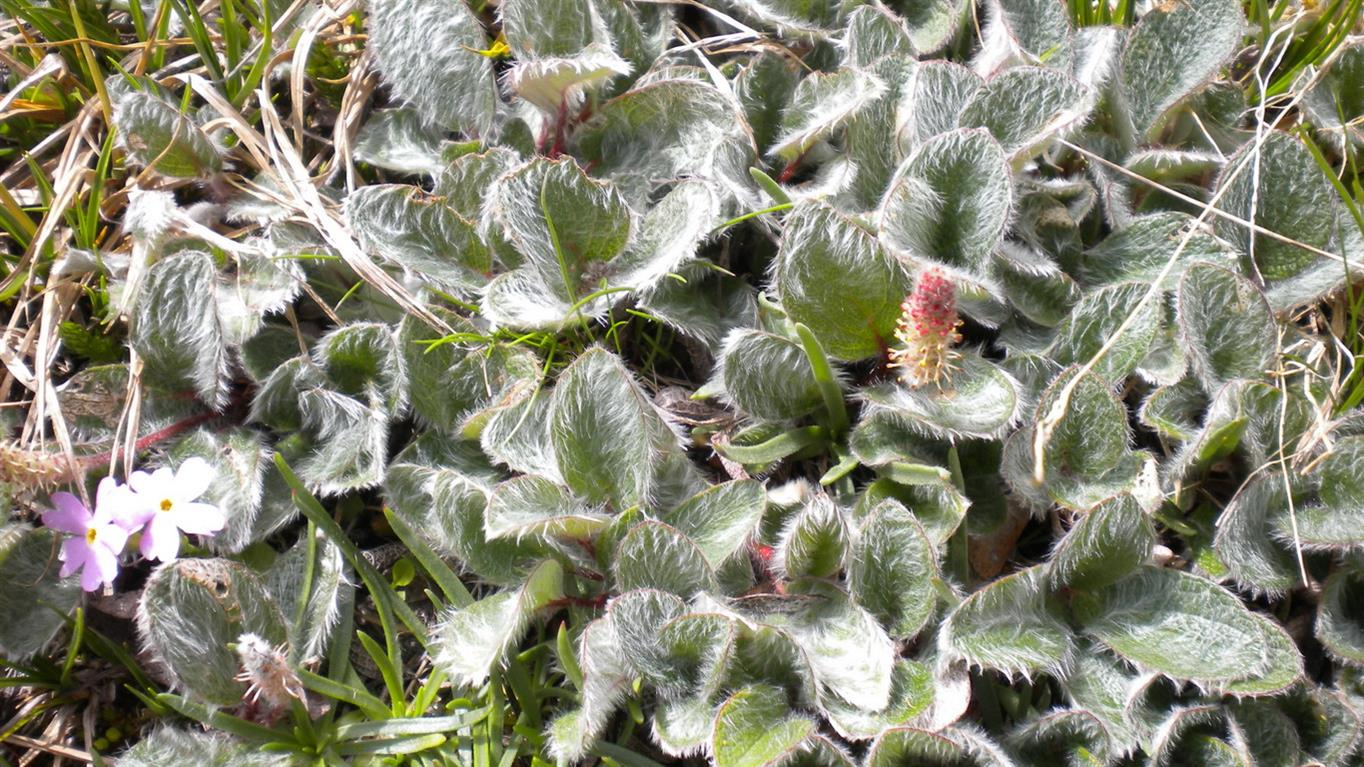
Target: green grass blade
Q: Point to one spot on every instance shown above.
(362, 699)
(444, 577)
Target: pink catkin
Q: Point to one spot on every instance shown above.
(927, 331)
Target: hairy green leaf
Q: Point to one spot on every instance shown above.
(1139, 251)
(933, 23)
(834, 278)
(932, 101)
(670, 129)
(668, 236)
(1173, 51)
(949, 202)
(1333, 524)
(821, 104)
(1087, 458)
(311, 598)
(891, 570)
(656, 556)
(1338, 615)
(535, 506)
(693, 650)
(850, 655)
(1095, 319)
(1243, 542)
(1227, 325)
(607, 435)
(516, 432)
(471, 641)
(1284, 668)
(420, 233)
(447, 506)
(1280, 187)
(157, 135)
(978, 400)
(904, 746)
(450, 382)
(176, 745)
(177, 331)
(1176, 624)
(793, 16)
(939, 509)
(1025, 32)
(397, 139)
(427, 53)
(1035, 285)
(606, 682)
(768, 376)
(349, 448)
(721, 518)
(816, 540)
(191, 609)
(1062, 738)
(1099, 683)
(873, 32)
(36, 600)
(565, 225)
(551, 82)
(1025, 107)
(1007, 626)
(1109, 542)
(363, 360)
(754, 728)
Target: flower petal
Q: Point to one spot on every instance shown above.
(199, 518)
(111, 536)
(74, 553)
(139, 481)
(120, 505)
(68, 515)
(193, 478)
(107, 487)
(160, 539)
(104, 564)
(90, 578)
(90, 575)
(158, 483)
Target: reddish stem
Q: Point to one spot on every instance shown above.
(560, 129)
(577, 602)
(789, 171)
(98, 460)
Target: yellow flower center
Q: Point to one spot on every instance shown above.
(166, 504)
(90, 535)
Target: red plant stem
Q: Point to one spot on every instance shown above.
(577, 602)
(560, 131)
(790, 170)
(99, 460)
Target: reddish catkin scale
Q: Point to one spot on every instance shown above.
(927, 331)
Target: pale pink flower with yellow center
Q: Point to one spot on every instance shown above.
(97, 538)
(166, 502)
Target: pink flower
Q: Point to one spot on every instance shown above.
(97, 539)
(927, 331)
(164, 503)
